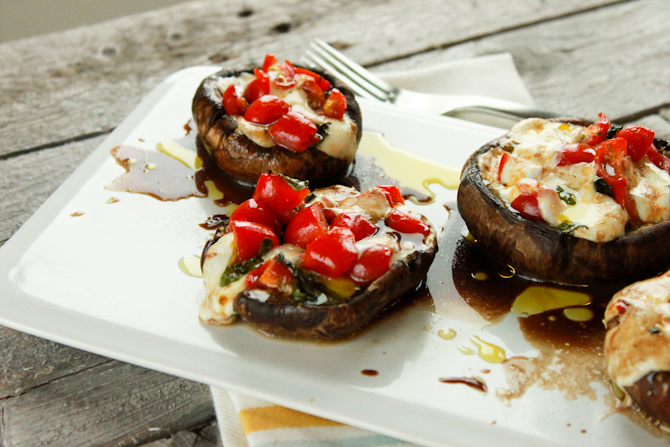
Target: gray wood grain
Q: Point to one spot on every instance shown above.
(85, 81)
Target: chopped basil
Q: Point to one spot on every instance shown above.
(603, 187)
(237, 271)
(569, 227)
(565, 196)
(306, 284)
(296, 184)
(612, 131)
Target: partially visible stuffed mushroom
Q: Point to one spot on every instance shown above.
(638, 343)
(572, 201)
(314, 265)
(280, 118)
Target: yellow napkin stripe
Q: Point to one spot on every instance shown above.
(273, 417)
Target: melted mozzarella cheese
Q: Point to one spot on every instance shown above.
(638, 341)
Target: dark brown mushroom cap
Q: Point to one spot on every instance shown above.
(538, 250)
(240, 157)
(651, 394)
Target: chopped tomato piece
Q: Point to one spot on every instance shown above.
(266, 109)
(233, 104)
(392, 194)
(276, 276)
(256, 273)
(610, 160)
(405, 223)
(280, 193)
(621, 307)
(598, 130)
(252, 211)
(576, 153)
(357, 223)
(249, 236)
(315, 96)
(373, 263)
(269, 61)
(258, 87)
(309, 224)
(528, 206)
(660, 160)
(639, 140)
(294, 131)
(285, 77)
(320, 80)
(333, 254)
(335, 105)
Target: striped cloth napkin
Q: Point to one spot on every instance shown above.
(248, 422)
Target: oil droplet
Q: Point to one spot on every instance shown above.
(112, 200)
(151, 166)
(551, 318)
(481, 276)
(466, 351)
(449, 334)
(77, 214)
(508, 273)
(488, 351)
(412, 171)
(537, 299)
(212, 191)
(179, 152)
(131, 161)
(467, 235)
(190, 265)
(618, 392)
(578, 314)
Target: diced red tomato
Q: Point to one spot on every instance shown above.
(285, 77)
(233, 104)
(576, 153)
(249, 236)
(528, 206)
(252, 211)
(620, 307)
(610, 161)
(266, 109)
(309, 224)
(252, 276)
(294, 131)
(320, 80)
(333, 254)
(258, 87)
(392, 194)
(660, 160)
(373, 263)
(276, 276)
(275, 191)
(315, 96)
(405, 223)
(358, 224)
(504, 158)
(639, 140)
(335, 105)
(598, 130)
(269, 61)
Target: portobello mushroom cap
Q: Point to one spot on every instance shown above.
(651, 395)
(538, 250)
(240, 157)
(280, 315)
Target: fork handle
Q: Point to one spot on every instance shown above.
(502, 107)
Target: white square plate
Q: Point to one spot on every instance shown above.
(107, 281)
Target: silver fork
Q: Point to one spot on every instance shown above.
(367, 85)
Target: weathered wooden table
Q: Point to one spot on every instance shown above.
(61, 94)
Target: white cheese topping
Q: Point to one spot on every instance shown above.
(532, 152)
(340, 141)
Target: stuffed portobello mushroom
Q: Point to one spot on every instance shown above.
(637, 345)
(572, 201)
(280, 118)
(316, 264)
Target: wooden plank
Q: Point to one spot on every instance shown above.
(85, 81)
(111, 404)
(585, 64)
